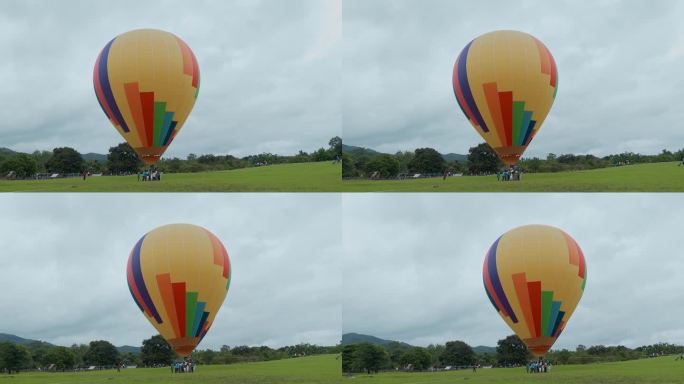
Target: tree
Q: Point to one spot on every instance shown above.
(371, 358)
(348, 167)
(335, 146)
(21, 164)
(512, 351)
(156, 351)
(348, 357)
(65, 160)
(63, 358)
(419, 358)
(426, 160)
(385, 165)
(13, 357)
(483, 159)
(123, 159)
(319, 155)
(101, 353)
(457, 353)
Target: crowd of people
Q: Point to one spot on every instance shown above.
(538, 366)
(183, 366)
(149, 175)
(509, 175)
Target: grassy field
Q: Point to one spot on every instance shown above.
(647, 371)
(310, 370)
(656, 177)
(302, 177)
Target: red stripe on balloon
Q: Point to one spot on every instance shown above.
(506, 104)
(179, 299)
(147, 103)
(534, 288)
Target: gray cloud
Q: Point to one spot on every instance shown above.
(269, 72)
(413, 265)
(619, 66)
(63, 263)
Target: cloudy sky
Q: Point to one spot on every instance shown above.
(64, 260)
(413, 265)
(619, 65)
(270, 72)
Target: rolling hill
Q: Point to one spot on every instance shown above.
(357, 150)
(6, 337)
(351, 338)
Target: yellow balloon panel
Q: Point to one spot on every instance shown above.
(179, 276)
(534, 276)
(147, 81)
(505, 83)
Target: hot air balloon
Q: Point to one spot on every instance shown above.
(534, 276)
(505, 83)
(179, 275)
(147, 81)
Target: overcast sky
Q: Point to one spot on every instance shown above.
(413, 265)
(619, 65)
(270, 72)
(63, 265)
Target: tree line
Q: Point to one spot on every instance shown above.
(121, 159)
(154, 352)
(510, 352)
(481, 160)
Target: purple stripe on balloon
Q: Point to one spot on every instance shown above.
(140, 281)
(465, 87)
(496, 282)
(103, 77)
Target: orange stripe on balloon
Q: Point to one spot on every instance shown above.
(492, 94)
(164, 284)
(133, 97)
(520, 283)
(187, 57)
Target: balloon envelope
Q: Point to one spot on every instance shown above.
(534, 276)
(179, 275)
(505, 83)
(147, 81)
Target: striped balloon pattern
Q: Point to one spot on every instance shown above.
(505, 83)
(146, 82)
(534, 276)
(179, 275)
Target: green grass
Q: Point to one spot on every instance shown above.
(310, 370)
(302, 177)
(656, 177)
(646, 371)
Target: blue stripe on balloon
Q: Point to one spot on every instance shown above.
(201, 324)
(103, 77)
(199, 312)
(555, 308)
(166, 127)
(527, 116)
(496, 282)
(558, 320)
(140, 281)
(465, 87)
(168, 134)
(529, 132)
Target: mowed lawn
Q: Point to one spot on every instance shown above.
(646, 371)
(657, 177)
(313, 370)
(302, 177)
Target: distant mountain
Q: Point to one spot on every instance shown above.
(485, 349)
(128, 348)
(5, 150)
(100, 158)
(351, 338)
(6, 337)
(448, 157)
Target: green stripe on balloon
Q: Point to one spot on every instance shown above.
(159, 109)
(518, 109)
(547, 298)
(190, 304)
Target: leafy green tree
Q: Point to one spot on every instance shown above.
(371, 358)
(419, 358)
(41, 158)
(457, 353)
(427, 160)
(335, 147)
(155, 351)
(65, 160)
(63, 358)
(348, 166)
(21, 164)
(483, 159)
(385, 165)
(101, 353)
(512, 351)
(13, 357)
(123, 159)
(320, 155)
(349, 357)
